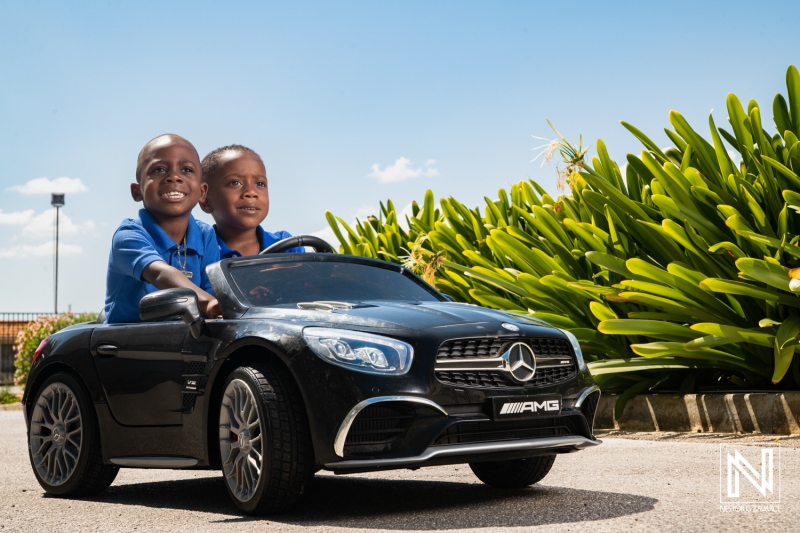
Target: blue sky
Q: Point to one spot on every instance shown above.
(333, 95)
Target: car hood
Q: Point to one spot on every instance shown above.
(402, 315)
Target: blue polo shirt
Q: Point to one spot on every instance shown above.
(141, 241)
(266, 239)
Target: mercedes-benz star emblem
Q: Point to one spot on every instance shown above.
(510, 327)
(521, 361)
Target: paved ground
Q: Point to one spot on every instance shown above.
(654, 482)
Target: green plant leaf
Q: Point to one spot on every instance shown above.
(784, 347)
(601, 312)
(648, 328)
(735, 334)
(769, 273)
(677, 349)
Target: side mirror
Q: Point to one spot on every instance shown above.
(173, 303)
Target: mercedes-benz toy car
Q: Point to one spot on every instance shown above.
(320, 361)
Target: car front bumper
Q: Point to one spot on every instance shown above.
(465, 453)
(452, 434)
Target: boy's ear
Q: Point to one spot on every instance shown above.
(136, 192)
(205, 201)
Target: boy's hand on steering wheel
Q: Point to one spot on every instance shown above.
(210, 306)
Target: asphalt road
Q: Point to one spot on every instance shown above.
(647, 483)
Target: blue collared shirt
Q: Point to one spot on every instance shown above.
(141, 241)
(266, 239)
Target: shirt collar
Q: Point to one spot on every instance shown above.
(163, 242)
(226, 252)
(261, 236)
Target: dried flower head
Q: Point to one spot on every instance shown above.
(573, 155)
(421, 261)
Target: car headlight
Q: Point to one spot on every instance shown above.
(577, 347)
(362, 352)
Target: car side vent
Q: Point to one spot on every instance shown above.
(196, 367)
(188, 401)
(379, 424)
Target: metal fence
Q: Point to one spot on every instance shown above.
(10, 325)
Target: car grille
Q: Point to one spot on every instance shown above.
(472, 432)
(487, 348)
(470, 348)
(468, 378)
(497, 379)
(550, 347)
(379, 424)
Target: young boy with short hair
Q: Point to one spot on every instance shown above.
(237, 196)
(165, 247)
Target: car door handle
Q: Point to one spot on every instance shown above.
(107, 349)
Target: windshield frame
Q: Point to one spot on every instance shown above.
(235, 304)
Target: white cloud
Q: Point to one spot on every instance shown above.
(42, 225)
(46, 186)
(16, 218)
(365, 211)
(401, 171)
(39, 250)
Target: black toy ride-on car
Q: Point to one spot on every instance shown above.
(320, 361)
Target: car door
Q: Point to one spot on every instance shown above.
(141, 367)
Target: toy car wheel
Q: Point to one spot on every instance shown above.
(64, 441)
(264, 441)
(513, 474)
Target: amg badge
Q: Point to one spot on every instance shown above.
(521, 407)
(527, 406)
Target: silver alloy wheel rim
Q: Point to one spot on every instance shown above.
(56, 434)
(240, 440)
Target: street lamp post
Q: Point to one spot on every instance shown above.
(57, 201)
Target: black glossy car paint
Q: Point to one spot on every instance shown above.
(147, 406)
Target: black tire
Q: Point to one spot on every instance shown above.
(287, 463)
(513, 474)
(89, 476)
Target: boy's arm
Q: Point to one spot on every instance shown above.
(133, 255)
(164, 276)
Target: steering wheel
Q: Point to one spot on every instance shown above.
(316, 243)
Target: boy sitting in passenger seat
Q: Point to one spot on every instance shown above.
(165, 247)
(237, 197)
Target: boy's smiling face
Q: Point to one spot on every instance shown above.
(238, 196)
(169, 178)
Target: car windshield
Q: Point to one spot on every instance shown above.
(287, 283)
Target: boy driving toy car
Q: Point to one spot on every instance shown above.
(237, 196)
(165, 247)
